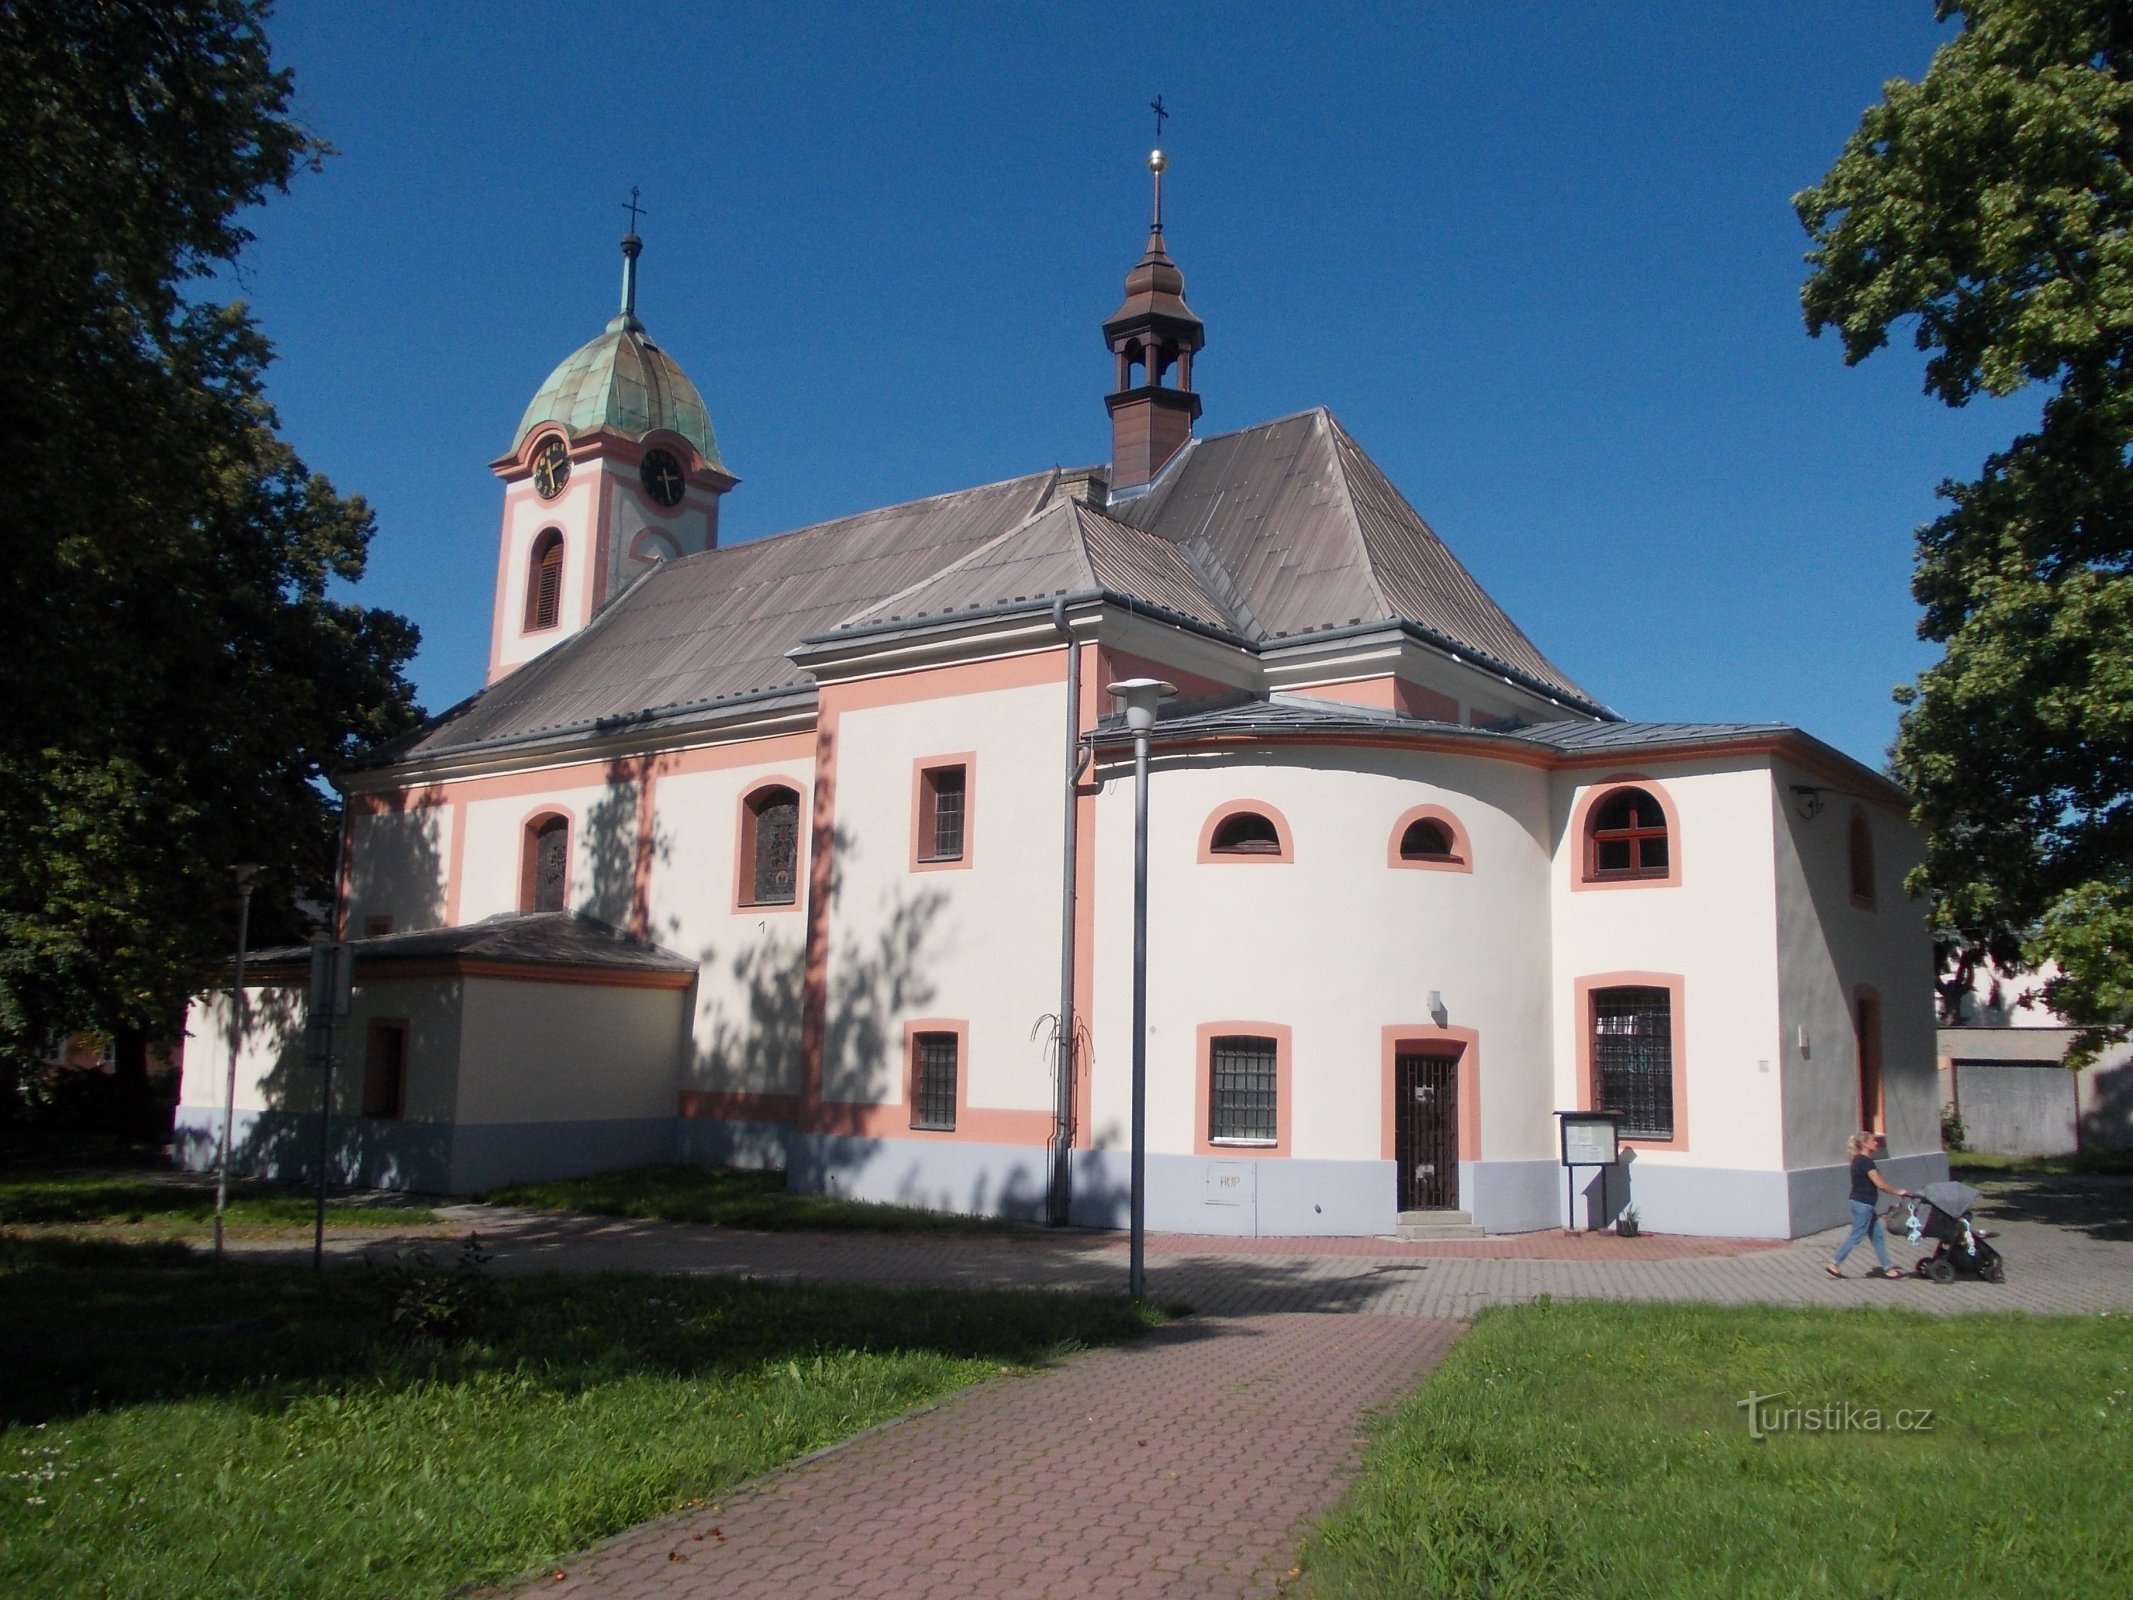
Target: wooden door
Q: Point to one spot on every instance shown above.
(1425, 1134)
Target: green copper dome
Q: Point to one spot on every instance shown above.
(624, 383)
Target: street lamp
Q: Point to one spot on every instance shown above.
(1138, 699)
(246, 874)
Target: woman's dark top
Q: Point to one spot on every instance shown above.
(1863, 1178)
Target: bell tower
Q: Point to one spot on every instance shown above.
(1153, 337)
(614, 468)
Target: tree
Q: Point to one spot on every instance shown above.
(178, 672)
(1993, 202)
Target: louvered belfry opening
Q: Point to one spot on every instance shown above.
(544, 582)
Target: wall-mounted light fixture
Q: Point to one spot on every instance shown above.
(1437, 1013)
(1807, 800)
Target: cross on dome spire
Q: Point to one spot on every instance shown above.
(632, 247)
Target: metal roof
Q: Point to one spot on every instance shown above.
(1270, 535)
(530, 939)
(626, 384)
(1066, 548)
(1314, 536)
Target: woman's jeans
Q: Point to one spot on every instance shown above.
(1866, 1224)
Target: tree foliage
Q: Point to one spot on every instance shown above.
(1991, 204)
(178, 672)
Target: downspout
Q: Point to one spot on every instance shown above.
(1058, 1201)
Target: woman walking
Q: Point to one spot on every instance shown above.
(1866, 1221)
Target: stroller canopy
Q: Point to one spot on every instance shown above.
(1956, 1199)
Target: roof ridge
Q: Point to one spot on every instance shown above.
(972, 555)
(1334, 433)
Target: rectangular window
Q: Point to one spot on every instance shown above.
(933, 1081)
(385, 1070)
(1241, 1099)
(942, 791)
(1633, 1059)
(377, 927)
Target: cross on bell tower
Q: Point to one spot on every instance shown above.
(1153, 337)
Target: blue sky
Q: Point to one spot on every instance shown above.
(1540, 259)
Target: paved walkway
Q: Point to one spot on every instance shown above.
(2068, 1245)
(1191, 1463)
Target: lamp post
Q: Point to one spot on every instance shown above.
(246, 875)
(1138, 699)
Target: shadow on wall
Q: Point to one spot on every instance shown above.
(2107, 1121)
(398, 868)
(282, 1144)
(618, 859)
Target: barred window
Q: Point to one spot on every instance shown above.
(1628, 837)
(1242, 1089)
(942, 791)
(1633, 1059)
(770, 845)
(933, 1081)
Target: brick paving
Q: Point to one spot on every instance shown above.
(1190, 1463)
(2069, 1248)
(1194, 1461)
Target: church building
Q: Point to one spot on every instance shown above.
(816, 852)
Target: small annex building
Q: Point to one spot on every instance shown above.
(816, 852)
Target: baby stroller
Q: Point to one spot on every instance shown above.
(1942, 1213)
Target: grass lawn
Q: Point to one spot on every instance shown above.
(168, 1430)
(730, 1198)
(140, 1206)
(1600, 1450)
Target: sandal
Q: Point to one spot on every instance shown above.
(1834, 1270)
(1889, 1272)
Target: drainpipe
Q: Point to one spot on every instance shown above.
(1058, 1199)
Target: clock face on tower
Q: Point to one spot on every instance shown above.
(662, 477)
(551, 469)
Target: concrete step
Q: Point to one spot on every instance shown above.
(1430, 1227)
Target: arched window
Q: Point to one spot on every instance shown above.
(544, 874)
(1626, 837)
(1245, 833)
(1862, 862)
(1426, 841)
(544, 581)
(770, 847)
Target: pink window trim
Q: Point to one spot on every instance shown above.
(1427, 1038)
(1231, 808)
(528, 829)
(921, 812)
(1588, 1086)
(1462, 856)
(1284, 1101)
(744, 850)
(1581, 872)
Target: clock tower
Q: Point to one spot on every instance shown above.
(614, 467)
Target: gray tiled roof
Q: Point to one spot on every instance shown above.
(533, 939)
(1068, 548)
(1312, 535)
(1269, 534)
